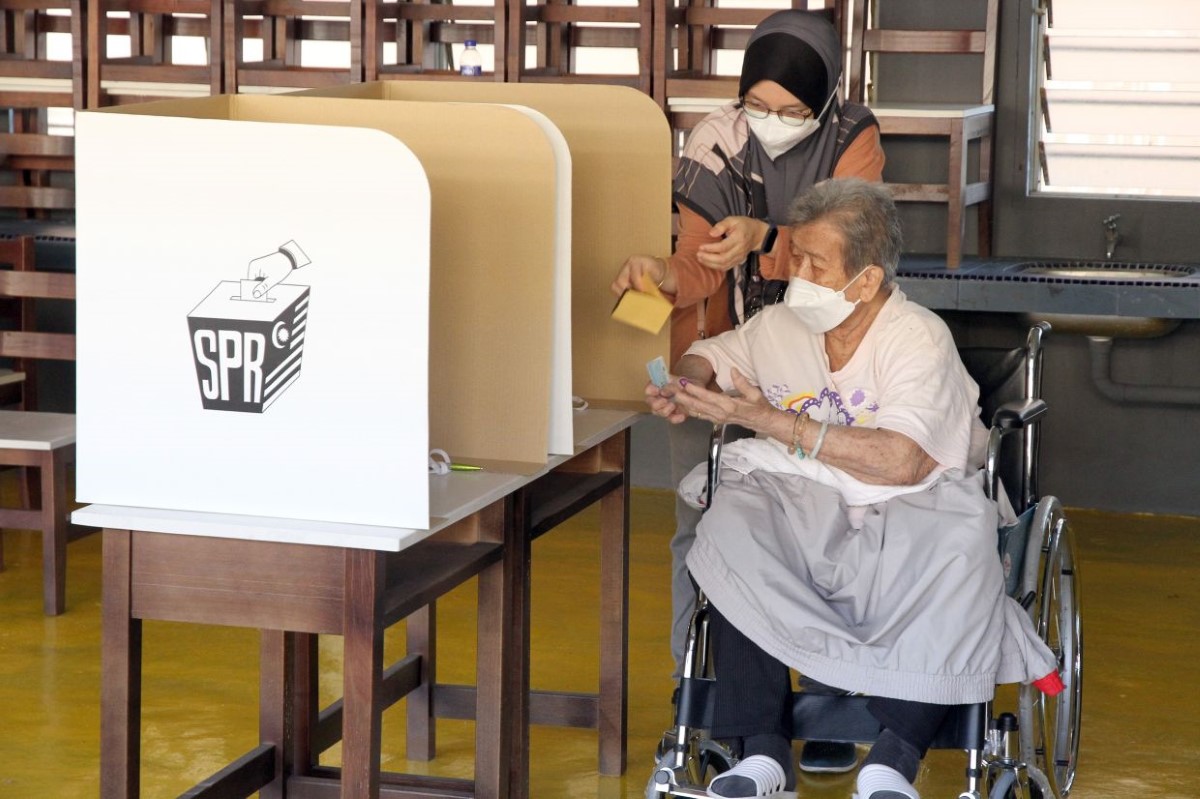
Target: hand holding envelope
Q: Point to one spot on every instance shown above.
(644, 307)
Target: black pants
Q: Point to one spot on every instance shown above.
(754, 694)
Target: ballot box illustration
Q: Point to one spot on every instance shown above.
(248, 334)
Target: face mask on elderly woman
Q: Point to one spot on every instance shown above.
(820, 309)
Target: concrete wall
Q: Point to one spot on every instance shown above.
(1100, 454)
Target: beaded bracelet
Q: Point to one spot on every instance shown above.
(801, 420)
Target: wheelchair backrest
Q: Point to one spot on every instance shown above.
(1006, 375)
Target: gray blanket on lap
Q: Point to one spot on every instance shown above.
(911, 605)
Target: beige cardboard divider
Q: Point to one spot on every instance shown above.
(621, 205)
(491, 173)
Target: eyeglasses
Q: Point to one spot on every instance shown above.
(788, 116)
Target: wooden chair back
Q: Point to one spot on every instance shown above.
(37, 175)
(16, 377)
(282, 27)
(562, 33)
(152, 69)
(30, 80)
(414, 40)
(959, 121)
(869, 39)
(24, 283)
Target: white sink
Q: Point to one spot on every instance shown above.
(1103, 325)
(1105, 271)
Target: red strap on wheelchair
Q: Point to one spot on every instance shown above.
(1050, 685)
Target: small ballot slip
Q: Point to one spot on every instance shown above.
(658, 372)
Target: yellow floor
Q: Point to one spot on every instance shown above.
(1141, 609)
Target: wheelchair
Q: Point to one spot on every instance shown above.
(1026, 752)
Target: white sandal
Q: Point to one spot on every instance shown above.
(878, 781)
(766, 774)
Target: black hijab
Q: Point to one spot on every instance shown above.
(801, 52)
(790, 62)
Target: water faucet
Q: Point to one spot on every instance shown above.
(1111, 235)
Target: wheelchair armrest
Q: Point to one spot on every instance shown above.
(1018, 414)
(715, 443)
(721, 435)
(1008, 418)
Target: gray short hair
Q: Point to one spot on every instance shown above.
(865, 215)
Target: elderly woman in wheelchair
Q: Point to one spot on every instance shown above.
(852, 538)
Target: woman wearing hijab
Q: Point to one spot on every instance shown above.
(740, 170)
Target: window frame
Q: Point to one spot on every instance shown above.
(1049, 225)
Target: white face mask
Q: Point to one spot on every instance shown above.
(777, 137)
(820, 309)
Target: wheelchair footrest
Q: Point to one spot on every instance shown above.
(673, 782)
(686, 792)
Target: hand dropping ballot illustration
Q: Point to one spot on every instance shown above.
(248, 334)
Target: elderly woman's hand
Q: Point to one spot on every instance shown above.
(662, 401)
(748, 408)
(737, 237)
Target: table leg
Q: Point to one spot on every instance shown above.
(518, 564)
(55, 530)
(362, 666)
(614, 614)
(493, 707)
(305, 701)
(276, 673)
(121, 670)
(420, 740)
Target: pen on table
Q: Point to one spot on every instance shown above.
(465, 467)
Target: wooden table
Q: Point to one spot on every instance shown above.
(599, 472)
(355, 581)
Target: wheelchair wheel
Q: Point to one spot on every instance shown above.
(714, 759)
(1049, 726)
(1005, 788)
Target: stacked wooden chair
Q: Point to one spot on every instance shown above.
(37, 169)
(135, 50)
(934, 53)
(32, 439)
(284, 29)
(560, 35)
(418, 40)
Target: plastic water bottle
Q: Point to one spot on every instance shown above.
(470, 63)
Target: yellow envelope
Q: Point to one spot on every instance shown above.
(646, 309)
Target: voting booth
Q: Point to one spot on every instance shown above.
(284, 304)
(436, 274)
(388, 361)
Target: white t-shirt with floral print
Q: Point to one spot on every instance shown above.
(905, 376)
